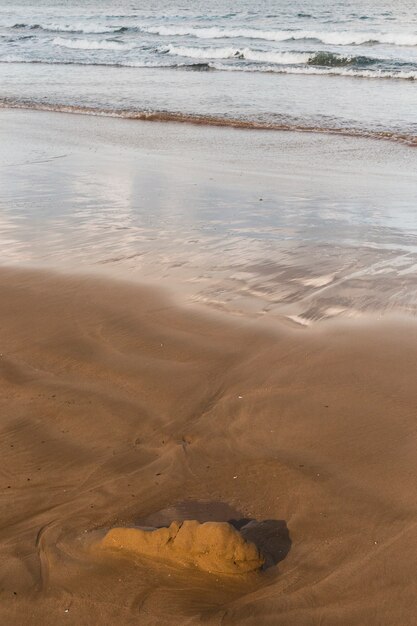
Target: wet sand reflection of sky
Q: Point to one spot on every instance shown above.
(260, 222)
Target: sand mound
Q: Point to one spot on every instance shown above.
(212, 546)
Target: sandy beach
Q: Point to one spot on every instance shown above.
(122, 409)
(197, 325)
(208, 313)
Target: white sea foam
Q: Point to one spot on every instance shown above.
(87, 44)
(320, 71)
(342, 38)
(328, 37)
(239, 53)
(74, 27)
(344, 71)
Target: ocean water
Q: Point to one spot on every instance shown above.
(347, 67)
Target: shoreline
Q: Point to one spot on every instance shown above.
(123, 409)
(212, 121)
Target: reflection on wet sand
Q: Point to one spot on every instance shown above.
(314, 232)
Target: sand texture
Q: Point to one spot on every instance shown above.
(121, 411)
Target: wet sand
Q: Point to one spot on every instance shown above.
(285, 225)
(120, 408)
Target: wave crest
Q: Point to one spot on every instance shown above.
(323, 59)
(87, 44)
(341, 38)
(238, 53)
(77, 27)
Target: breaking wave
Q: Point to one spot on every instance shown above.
(238, 53)
(77, 27)
(341, 38)
(327, 59)
(323, 71)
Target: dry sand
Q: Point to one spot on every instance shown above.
(120, 409)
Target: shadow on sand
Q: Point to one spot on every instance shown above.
(271, 537)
